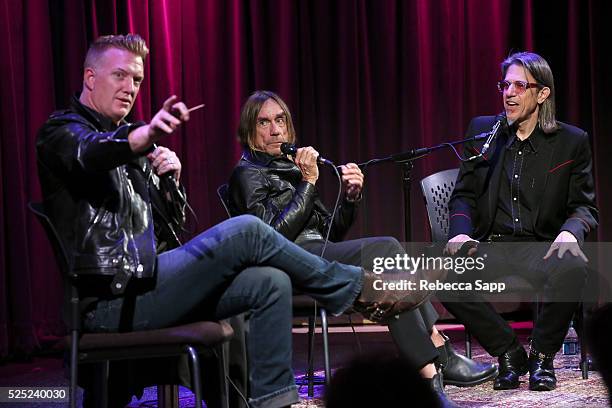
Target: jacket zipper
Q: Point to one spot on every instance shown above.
(131, 241)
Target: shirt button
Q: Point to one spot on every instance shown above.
(516, 176)
(516, 220)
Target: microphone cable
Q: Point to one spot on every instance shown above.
(327, 234)
(229, 380)
(336, 205)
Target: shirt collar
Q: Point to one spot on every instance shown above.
(532, 142)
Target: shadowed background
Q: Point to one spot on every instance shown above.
(363, 79)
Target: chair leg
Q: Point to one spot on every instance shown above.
(105, 373)
(100, 388)
(324, 332)
(584, 356)
(468, 344)
(310, 373)
(74, 366)
(584, 366)
(167, 396)
(195, 374)
(222, 373)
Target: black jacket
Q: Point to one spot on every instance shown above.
(565, 199)
(104, 200)
(272, 189)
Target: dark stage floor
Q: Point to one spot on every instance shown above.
(572, 391)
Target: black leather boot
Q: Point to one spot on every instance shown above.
(459, 370)
(512, 364)
(437, 384)
(541, 371)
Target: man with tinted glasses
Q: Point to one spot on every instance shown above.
(534, 184)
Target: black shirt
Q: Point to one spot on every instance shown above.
(514, 215)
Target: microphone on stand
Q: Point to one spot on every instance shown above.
(291, 149)
(490, 135)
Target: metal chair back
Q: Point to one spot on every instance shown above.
(437, 189)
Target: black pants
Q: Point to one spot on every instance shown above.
(559, 281)
(411, 332)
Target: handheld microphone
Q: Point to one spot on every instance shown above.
(291, 149)
(169, 176)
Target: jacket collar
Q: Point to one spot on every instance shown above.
(102, 122)
(264, 159)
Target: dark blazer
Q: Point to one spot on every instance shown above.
(565, 197)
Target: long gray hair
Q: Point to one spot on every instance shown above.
(541, 72)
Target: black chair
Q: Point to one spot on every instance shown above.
(188, 340)
(437, 189)
(303, 306)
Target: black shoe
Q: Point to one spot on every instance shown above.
(461, 371)
(512, 364)
(541, 371)
(437, 384)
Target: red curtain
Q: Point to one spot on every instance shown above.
(364, 79)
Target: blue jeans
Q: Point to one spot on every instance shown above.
(411, 330)
(240, 265)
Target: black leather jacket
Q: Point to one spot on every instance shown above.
(272, 189)
(111, 211)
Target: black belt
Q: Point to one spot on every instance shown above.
(510, 238)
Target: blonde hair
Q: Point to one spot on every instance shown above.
(130, 42)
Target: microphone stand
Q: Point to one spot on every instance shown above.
(406, 161)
